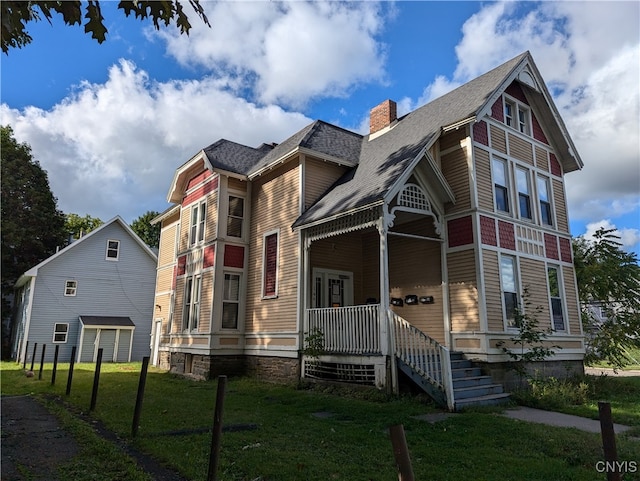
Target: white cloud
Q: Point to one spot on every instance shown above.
(110, 145)
(589, 55)
(629, 237)
(287, 52)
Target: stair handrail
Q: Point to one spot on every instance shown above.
(423, 354)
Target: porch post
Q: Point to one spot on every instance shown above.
(386, 332)
(304, 285)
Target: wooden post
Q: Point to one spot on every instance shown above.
(608, 441)
(55, 365)
(141, 384)
(33, 356)
(96, 381)
(44, 348)
(217, 430)
(72, 361)
(401, 453)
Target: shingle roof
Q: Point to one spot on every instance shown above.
(233, 157)
(386, 157)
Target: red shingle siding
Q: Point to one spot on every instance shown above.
(209, 256)
(506, 231)
(496, 110)
(488, 231)
(234, 256)
(460, 231)
(538, 134)
(555, 165)
(201, 192)
(516, 92)
(182, 265)
(566, 254)
(551, 246)
(480, 133)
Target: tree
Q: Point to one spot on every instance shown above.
(150, 234)
(77, 226)
(609, 290)
(16, 14)
(31, 224)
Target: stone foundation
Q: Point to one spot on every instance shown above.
(197, 366)
(501, 373)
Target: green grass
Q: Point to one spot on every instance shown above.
(349, 442)
(633, 356)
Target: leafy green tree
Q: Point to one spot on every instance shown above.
(77, 226)
(150, 234)
(609, 289)
(31, 224)
(16, 14)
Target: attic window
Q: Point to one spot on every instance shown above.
(70, 288)
(113, 250)
(517, 116)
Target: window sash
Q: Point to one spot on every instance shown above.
(198, 223)
(230, 301)
(70, 288)
(509, 289)
(524, 196)
(235, 216)
(545, 204)
(113, 249)
(270, 265)
(60, 332)
(501, 191)
(557, 310)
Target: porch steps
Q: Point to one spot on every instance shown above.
(471, 387)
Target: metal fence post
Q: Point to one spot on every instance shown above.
(141, 384)
(96, 381)
(217, 430)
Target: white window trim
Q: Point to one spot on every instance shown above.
(232, 301)
(264, 263)
(200, 224)
(561, 296)
(66, 333)
(517, 107)
(117, 249)
(243, 218)
(549, 200)
(518, 291)
(507, 186)
(74, 288)
(192, 314)
(527, 173)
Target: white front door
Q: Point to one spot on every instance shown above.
(332, 288)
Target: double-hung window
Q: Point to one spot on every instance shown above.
(197, 224)
(270, 265)
(191, 311)
(557, 310)
(500, 183)
(113, 250)
(524, 193)
(517, 116)
(235, 218)
(70, 288)
(60, 331)
(545, 201)
(509, 289)
(230, 300)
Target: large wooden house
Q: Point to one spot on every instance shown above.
(388, 251)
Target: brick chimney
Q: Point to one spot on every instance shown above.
(382, 116)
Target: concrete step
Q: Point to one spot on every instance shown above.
(490, 400)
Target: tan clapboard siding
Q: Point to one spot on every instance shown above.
(164, 279)
(274, 205)
(456, 172)
(498, 139)
(463, 291)
(492, 291)
(371, 268)
(318, 177)
(166, 250)
(533, 274)
(415, 268)
(237, 184)
(210, 230)
(163, 301)
(542, 159)
(342, 253)
(520, 149)
(179, 305)
(452, 139)
(184, 229)
(560, 205)
(483, 179)
(571, 300)
(206, 302)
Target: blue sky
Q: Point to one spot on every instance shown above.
(111, 122)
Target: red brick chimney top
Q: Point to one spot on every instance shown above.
(382, 116)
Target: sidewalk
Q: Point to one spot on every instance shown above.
(561, 420)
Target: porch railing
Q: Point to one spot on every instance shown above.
(423, 354)
(347, 330)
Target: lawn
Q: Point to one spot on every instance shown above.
(306, 433)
